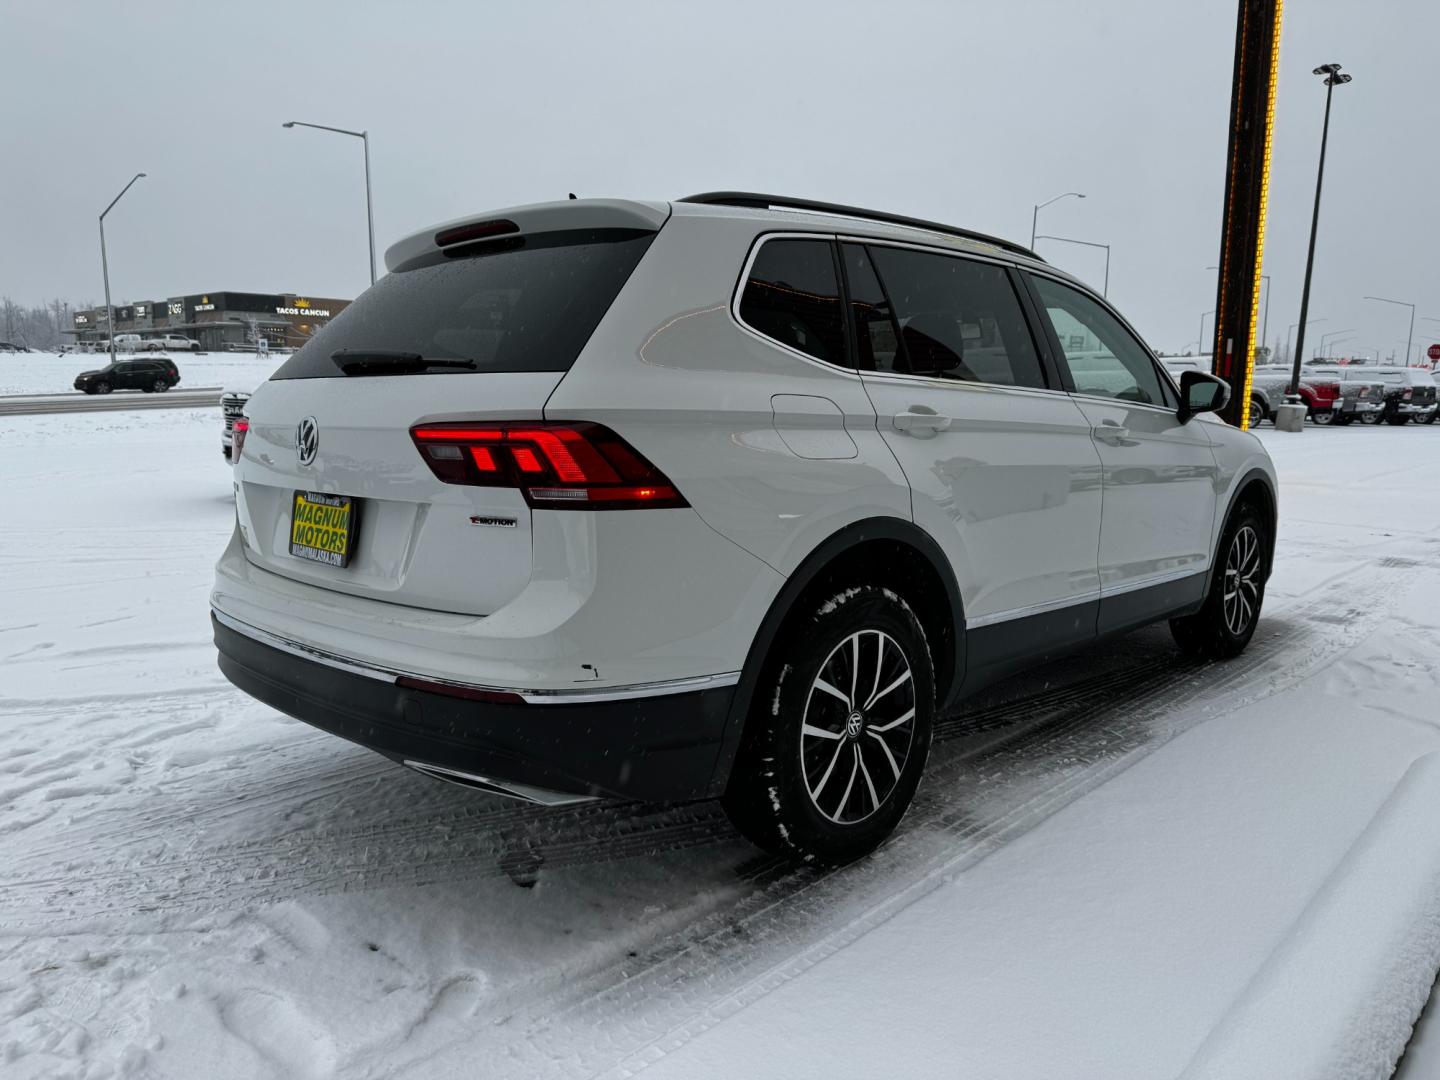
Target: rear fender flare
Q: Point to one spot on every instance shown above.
(815, 563)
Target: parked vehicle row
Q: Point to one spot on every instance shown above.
(1338, 394)
(726, 496)
(161, 343)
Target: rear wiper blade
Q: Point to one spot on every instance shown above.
(385, 362)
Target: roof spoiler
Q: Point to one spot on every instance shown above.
(535, 218)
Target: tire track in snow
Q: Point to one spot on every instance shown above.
(693, 980)
(146, 867)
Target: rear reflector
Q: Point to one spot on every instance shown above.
(562, 466)
(469, 693)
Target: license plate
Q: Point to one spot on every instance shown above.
(322, 527)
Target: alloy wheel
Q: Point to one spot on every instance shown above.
(1257, 412)
(1242, 584)
(858, 727)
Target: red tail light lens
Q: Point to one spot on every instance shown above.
(558, 466)
(237, 437)
(1408, 394)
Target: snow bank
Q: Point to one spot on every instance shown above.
(1338, 995)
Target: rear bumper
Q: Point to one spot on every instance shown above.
(657, 748)
(1409, 409)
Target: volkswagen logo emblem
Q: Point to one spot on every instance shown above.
(307, 440)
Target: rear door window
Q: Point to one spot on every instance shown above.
(792, 295)
(526, 303)
(955, 318)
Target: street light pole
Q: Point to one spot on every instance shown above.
(1402, 303)
(1035, 215)
(1105, 292)
(1333, 78)
(363, 136)
(105, 266)
(1292, 326)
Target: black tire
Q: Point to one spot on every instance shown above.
(1397, 420)
(103, 388)
(1257, 412)
(1428, 420)
(1226, 623)
(786, 776)
(159, 386)
(1372, 417)
(1323, 417)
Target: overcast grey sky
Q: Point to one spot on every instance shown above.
(966, 111)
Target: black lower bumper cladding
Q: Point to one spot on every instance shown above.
(657, 749)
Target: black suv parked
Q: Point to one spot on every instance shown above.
(153, 375)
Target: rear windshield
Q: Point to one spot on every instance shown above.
(520, 304)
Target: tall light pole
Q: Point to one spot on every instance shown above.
(105, 266)
(1041, 206)
(363, 136)
(1084, 243)
(1333, 78)
(1402, 303)
(1292, 326)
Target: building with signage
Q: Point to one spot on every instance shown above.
(219, 321)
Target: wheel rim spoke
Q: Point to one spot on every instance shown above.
(825, 687)
(815, 791)
(869, 783)
(909, 714)
(898, 682)
(849, 784)
(894, 765)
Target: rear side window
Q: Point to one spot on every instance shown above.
(957, 319)
(527, 304)
(793, 296)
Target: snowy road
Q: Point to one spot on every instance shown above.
(31, 404)
(193, 885)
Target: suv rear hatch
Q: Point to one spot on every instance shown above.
(477, 321)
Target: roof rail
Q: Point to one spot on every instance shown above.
(785, 202)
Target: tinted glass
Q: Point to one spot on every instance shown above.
(957, 319)
(1105, 359)
(792, 295)
(877, 338)
(527, 304)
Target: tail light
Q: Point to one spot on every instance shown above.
(1408, 394)
(237, 437)
(558, 466)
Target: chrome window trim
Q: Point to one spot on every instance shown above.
(565, 696)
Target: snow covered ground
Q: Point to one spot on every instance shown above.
(1129, 865)
(52, 373)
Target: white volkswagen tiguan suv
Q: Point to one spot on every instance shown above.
(728, 496)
